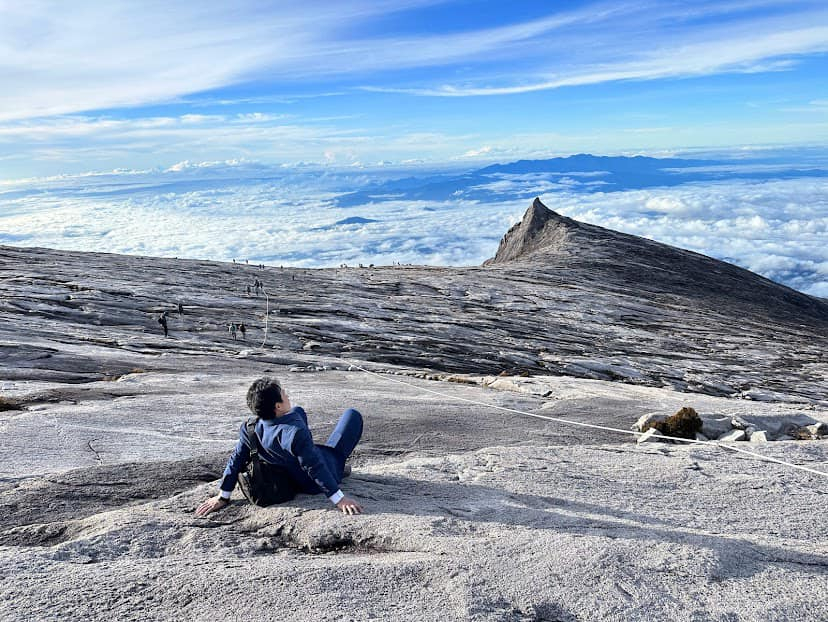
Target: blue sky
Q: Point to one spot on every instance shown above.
(140, 85)
(278, 131)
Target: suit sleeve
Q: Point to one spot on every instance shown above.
(312, 463)
(235, 465)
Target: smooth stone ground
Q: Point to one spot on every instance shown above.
(472, 513)
(502, 533)
(112, 435)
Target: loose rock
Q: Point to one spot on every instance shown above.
(733, 435)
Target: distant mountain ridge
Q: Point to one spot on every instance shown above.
(584, 173)
(588, 162)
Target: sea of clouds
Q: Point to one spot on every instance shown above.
(312, 218)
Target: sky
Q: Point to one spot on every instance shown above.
(284, 132)
(88, 85)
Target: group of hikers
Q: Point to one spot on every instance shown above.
(258, 285)
(234, 328)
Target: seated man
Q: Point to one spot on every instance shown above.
(285, 442)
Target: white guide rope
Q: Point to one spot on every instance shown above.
(593, 426)
(267, 315)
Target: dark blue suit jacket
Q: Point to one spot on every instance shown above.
(287, 442)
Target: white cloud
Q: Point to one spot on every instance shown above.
(777, 228)
(747, 54)
(147, 142)
(476, 153)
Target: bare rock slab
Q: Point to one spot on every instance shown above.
(733, 435)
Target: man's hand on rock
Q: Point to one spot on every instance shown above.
(212, 504)
(349, 506)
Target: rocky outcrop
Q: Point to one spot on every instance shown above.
(631, 265)
(735, 428)
(561, 297)
(540, 230)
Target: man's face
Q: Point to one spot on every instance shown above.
(284, 406)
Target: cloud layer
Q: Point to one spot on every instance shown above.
(776, 227)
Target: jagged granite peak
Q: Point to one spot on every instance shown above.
(540, 228)
(574, 251)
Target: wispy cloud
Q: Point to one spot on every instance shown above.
(753, 52)
(58, 58)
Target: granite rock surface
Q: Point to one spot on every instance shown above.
(113, 434)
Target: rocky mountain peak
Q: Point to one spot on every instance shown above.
(539, 229)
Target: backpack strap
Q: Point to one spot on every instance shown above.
(252, 439)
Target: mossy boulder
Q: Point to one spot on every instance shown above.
(684, 424)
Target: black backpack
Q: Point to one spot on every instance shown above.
(262, 483)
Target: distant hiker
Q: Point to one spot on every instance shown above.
(248, 290)
(276, 458)
(232, 329)
(180, 309)
(243, 330)
(162, 319)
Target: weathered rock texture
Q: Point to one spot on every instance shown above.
(113, 434)
(560, 297)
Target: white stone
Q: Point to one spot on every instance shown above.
(733, 435)
(644, 419)
(649, 436)
(759, 436)
(817, 429)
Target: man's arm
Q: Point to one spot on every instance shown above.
(310, 459)
(238, 460)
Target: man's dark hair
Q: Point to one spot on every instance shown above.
(262, 397)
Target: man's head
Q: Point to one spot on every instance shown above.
(266, 399)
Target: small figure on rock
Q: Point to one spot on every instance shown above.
(180, 309)
(232, 329)
(243, 330)
(162, 319)
(276, 458)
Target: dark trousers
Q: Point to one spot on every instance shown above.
(342, 441)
